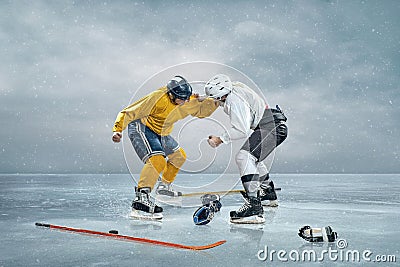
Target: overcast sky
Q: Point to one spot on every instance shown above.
(68, 67)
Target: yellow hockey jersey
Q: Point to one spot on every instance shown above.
(157, 112)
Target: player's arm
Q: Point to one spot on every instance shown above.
(201, 107)
(240, 118)
(135, 111)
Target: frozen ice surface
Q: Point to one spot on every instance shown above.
(363, 209)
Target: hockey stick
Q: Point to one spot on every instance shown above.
(129, 238)
(219, 192)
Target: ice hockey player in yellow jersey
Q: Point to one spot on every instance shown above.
(150, 121)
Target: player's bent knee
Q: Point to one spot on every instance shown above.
(178, 157)
(158, 162)
(242, 157)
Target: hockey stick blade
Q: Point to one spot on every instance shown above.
(129, 238)
(219, 192)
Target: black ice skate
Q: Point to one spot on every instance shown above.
(268, 195)
(143, 207)
(250, 213)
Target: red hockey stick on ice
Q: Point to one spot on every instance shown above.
(129, 238)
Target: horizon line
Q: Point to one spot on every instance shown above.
(119, 173)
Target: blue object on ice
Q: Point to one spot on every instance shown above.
(205, 213)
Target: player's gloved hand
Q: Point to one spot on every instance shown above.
(214, 141)
(325, 234)
(117, 137)
(200, 98)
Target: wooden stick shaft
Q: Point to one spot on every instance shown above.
(218, 192)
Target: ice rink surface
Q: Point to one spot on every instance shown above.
(363, 209)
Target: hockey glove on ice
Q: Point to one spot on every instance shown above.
(324, 234)
(205, 213)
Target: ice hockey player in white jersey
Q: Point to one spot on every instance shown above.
(264, 129)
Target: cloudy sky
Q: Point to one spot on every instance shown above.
(68, 67)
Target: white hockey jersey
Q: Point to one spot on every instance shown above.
(245, 109)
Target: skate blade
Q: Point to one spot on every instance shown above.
(270, 203)
(140, 215)
(163, 192)
(255, 219)
(173, 201)
(240, 227)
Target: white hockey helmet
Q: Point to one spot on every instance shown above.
(218, 86)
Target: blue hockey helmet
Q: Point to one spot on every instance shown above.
(179, 88)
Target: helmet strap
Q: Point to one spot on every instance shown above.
(222, 99)
(172, 98)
